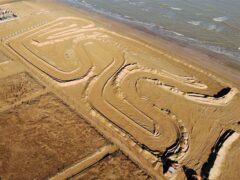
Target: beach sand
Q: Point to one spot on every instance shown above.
(83, 94)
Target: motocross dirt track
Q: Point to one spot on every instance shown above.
(73, 91)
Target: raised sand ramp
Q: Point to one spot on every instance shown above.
(220, 156)
(84, 164)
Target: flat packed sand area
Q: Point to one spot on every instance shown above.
(84, 97)
(43, 136)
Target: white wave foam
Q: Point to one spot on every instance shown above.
(178, 34)
(132, 3)
(220, 19)
(195, 23)
(176, 8)
(146, 9)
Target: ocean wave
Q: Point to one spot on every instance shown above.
(132, 3)
(146, 9)
(211, 27)
(176, 8)
(195, 23)
(220, 19)
(178, 34)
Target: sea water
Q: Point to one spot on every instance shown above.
(211, 24)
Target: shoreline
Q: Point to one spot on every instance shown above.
(160, 30)
(218, 64)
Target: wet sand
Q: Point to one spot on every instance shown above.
(105, 87)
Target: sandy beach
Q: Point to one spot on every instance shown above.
(82, 94)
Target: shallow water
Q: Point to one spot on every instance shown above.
(212, 24)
